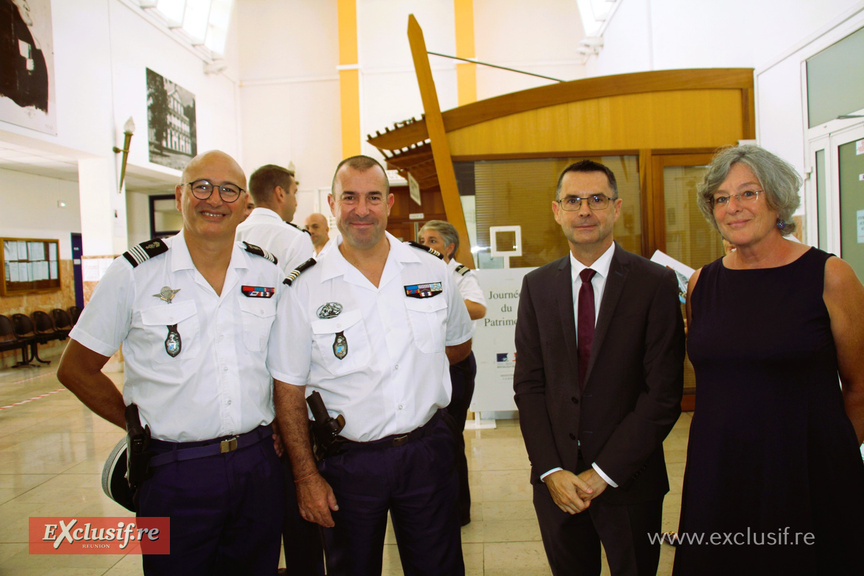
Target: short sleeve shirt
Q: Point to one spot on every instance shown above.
(375, 354)
(217, 384)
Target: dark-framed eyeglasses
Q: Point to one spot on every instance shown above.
(202, 189)
(595, 202)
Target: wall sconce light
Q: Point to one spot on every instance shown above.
(128, 130)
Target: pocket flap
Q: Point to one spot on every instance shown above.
(168, 314)
(425, 304)
(339, 324)
(263, 308)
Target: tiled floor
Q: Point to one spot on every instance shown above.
(52, 450)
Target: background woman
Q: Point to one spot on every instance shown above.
(442, 236)
(773, 462)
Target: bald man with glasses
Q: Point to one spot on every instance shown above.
(193, 314)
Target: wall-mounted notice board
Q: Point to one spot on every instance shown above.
(29, 265)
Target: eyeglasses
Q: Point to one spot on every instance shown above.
(203, 189)
(595, 202)
(746, 197)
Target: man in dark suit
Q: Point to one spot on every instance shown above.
(598, 392)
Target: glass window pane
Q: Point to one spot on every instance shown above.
(851, 166)
(172, 10)
(217, 30)
(690, 238)
(521, 192)
(821, 200)
(196, 18)
(835, 80)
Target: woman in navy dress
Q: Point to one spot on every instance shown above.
(774, 482)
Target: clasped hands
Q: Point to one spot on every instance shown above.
(573, 493)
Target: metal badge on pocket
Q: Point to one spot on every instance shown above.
(340, 346)
(173, 343)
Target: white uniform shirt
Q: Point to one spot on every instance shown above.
(266, 229)
(466, 281)
(218, 384)
(395, 374)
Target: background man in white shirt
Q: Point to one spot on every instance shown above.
(274, 191)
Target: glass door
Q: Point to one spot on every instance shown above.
(849, 150)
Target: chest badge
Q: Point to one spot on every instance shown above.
(427, 290)
(173, 343)
(340, 346)
(329, 310)
(166, 294)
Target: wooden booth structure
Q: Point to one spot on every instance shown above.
(498, 160)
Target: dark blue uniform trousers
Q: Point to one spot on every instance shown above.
(462, 375)
(301, 540)
(416, 482)
(226, 511)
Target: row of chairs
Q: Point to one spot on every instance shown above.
(25, 333)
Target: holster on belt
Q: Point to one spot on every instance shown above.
(324, 429)
(138, 451)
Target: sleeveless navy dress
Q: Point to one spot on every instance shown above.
(774, 474)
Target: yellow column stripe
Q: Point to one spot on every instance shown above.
(349, 78)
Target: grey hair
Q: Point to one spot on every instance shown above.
(447, 231)
(778, 180)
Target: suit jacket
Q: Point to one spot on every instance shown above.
(633, 386)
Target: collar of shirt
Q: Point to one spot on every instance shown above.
(335, 263)
(181, 259)
(601, 267)
(261, 213)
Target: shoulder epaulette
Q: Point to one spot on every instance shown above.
(462, 270)
(258, 251)
(426, 249)
(297, 227)
(144, 251)
(299, 270)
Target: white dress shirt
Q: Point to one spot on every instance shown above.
(598, 282)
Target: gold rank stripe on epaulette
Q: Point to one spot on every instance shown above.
(258, 251)
(144, 251)
(462, 270)
(294, 274)
(431, 251)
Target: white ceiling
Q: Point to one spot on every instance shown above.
(20, 158)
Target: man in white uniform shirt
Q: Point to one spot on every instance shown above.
(373, 327)
(274, 191)
(193, 314)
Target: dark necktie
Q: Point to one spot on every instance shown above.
(585, 322)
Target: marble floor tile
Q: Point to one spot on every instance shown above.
(52, 450)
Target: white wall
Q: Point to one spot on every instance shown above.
(671, 34)
(31, 210)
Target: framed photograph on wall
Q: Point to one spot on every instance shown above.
(171, 124)
(27, 96)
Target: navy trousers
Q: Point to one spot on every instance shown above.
(301, 540)
(416, 483)
(462, 375)
(226, 512)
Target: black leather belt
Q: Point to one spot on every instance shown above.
(181, 451)
(397, 439)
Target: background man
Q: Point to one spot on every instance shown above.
(275, 194)
(316, 225)
(596, 401)
(198, 376)
(371, 327)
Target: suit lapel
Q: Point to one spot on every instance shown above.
(619, 269)
(564, 294)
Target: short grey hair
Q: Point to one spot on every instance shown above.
(447, 231)
(778, 180)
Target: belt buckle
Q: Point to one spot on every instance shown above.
(400, 440)
(228, 445)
